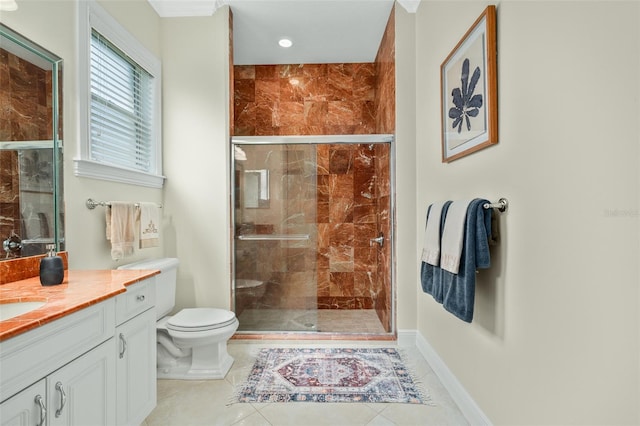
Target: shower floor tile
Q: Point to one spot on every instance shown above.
(362, 321)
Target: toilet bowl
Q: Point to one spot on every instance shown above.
(192, 344)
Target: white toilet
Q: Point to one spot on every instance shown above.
(192, 344)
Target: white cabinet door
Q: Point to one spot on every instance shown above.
(136, 368)
(26, 408)
(83, 391)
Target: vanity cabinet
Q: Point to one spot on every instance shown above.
(68, 369)
(80, 393)
(136, 353)
(96, 366)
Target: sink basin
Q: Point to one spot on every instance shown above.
(13, 309)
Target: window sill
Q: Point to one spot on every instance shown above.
(95, 170)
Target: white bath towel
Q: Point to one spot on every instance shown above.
(149, 225)
(120, 218)
(453, 236)
(431, 247)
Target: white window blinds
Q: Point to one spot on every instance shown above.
(121, 108)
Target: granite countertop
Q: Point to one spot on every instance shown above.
(78, 290)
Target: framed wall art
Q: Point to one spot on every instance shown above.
(468, 81)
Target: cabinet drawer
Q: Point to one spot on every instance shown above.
(138, 298)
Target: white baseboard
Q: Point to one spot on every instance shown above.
(465, 402)
(407, 337)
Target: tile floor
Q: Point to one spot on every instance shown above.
(182, 402)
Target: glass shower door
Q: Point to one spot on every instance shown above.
(275, 286)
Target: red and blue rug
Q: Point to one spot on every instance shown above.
(330, 375)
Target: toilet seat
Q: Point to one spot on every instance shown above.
(200, 319)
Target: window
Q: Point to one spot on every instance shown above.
(122, 102)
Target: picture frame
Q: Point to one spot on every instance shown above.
(469, 92)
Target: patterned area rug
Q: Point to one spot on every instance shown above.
(330, 375)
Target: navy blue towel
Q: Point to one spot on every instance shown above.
(456, 292)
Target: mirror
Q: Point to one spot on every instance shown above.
(31, 192)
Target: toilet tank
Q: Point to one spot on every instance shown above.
(165, 281)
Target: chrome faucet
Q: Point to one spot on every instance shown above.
(12, 244)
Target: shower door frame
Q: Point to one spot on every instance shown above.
(318, 140)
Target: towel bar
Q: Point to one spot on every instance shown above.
(92, 204)
(273, 237)
(501, 205)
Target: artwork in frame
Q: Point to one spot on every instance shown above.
(468, 80)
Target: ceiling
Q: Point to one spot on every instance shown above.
(322, 31)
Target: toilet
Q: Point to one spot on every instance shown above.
(192, 344)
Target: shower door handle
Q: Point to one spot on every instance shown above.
(379, 240)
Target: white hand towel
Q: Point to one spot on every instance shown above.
(453, 236)
(120, 218)
(149, 225)
(431, 247)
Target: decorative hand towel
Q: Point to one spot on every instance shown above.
(431, 248)
(452, 236)
(121, 218)
(149, 223)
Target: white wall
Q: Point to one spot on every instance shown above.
(556, 329)
(52, 24)
(196, 134)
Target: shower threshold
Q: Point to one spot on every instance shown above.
(340, 321)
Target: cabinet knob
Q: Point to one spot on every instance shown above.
(140, 298)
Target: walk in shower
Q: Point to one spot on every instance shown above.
(313, 230)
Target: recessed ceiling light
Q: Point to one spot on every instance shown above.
(285, 42)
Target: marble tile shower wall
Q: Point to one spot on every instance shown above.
(381, 291)
(26, 105)
(304, 99)
(385, 96)
(349, 215)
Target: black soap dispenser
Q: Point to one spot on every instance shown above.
(51, 268)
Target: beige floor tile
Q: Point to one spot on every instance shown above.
(197, 403)
(313, 414)
(380, 421)
(185, 402)
(412, 415)
(255, 419)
